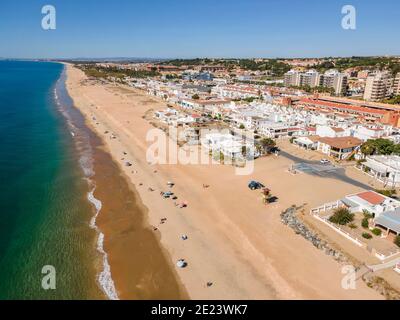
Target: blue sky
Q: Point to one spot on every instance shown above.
(189, 28)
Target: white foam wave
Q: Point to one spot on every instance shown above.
(104, 278)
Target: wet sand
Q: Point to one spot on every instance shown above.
(140, 269)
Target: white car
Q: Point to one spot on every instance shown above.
(324, 161)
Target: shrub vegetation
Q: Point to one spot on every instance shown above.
(367, 235)
(377, 231)
(364, 223)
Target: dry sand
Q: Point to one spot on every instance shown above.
(234, 241)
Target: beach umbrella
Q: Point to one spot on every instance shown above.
(181, 263)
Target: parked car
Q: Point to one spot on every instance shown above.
(324, 161)
(274, 150)
(167, 194)
(253, 185)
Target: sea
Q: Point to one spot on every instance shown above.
(50, 247)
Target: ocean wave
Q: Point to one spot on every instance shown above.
(104, 278)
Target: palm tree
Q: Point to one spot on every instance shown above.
(368, 148)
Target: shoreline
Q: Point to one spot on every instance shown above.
(234, 242)
(101, 203)
(83, 144)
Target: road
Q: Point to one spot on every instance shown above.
(332, 172)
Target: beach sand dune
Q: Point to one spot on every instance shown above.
(234, 241)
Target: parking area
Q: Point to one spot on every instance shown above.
(316, 168)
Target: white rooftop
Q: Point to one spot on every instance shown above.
(381, 162)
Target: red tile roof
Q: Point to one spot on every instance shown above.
(332, 105)
(372, 197)
(337, 129)
(341, 142)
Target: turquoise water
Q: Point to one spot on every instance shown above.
(44, 213)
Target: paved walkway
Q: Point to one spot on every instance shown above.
(385, 265)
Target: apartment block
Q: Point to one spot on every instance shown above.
(378, 86)
(292, 78)
(312, 78)
(396, 85)
(336, 80)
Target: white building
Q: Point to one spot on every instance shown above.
(366, 133)
(204, 105)
(292, 78)
(385, 169)
(385, 210)
(335, 80)
(396, 85)
(229, 145)
(339, 148)
(378, 86)
(236, 92)
(332, 132)
(330, 79)
(370, 201)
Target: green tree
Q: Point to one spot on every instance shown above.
(368, 148)
(396, 149)
(342, 216)
(388, 193)
(378, 146)
(195, 96)
(384, 146)
(394, 100)
(267, 144)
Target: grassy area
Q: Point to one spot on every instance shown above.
(113, 72)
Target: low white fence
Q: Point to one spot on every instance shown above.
(340, 231)
(326, 207)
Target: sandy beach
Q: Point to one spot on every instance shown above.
(234, 241)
